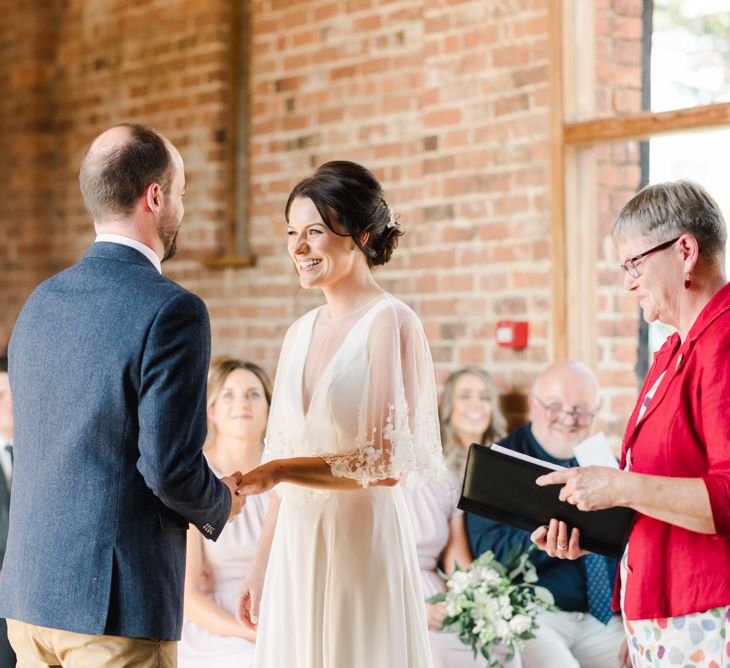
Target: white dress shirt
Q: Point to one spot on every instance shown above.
(133, 243)
(6, 462)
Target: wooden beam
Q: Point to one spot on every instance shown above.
(557, 179)
(638, 126)
(237, 251)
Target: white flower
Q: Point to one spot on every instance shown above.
(501, 628)
(458, 582)
(491, 577)
(520, 623)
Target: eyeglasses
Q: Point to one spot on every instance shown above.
(630, 265)
(555, 412)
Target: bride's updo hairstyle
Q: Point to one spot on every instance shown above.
(348, 196)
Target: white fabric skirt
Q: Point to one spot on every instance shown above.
(343, 586)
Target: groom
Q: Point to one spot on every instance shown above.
(108, 364)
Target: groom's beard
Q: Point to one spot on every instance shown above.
(170, 246)
(168, 236)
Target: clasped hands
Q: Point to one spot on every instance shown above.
(242, 485)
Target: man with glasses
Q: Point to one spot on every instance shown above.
(583, 632)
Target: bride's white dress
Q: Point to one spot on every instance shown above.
(343, 586)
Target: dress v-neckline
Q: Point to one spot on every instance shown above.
(330, 363)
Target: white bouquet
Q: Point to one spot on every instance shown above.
(491, 605)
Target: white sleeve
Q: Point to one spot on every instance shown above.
(398, 429)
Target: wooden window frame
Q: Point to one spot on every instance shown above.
(572, 89)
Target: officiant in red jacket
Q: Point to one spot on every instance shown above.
(675, 574)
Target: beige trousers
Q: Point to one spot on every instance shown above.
(40, 647)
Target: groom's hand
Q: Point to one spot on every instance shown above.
(261, 479)
(238, 499)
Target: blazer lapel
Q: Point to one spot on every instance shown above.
(662, 362)
(679, 352)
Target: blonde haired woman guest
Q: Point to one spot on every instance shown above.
(238, 406)
(441, 543)
(469, 413)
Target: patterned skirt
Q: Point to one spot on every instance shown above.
(697, 640)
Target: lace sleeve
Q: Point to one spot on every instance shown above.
(397, 423)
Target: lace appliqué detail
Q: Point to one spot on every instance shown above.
(400, 449)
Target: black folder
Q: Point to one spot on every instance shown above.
(502, 488)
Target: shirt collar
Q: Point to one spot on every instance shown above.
(132, 243)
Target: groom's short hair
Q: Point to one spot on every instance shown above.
(112, 181)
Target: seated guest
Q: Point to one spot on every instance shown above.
(469, 413)
(441, 543)
(583, 632)
(7, 656)
(238, 407)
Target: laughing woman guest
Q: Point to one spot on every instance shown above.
(469, 413)
(238, 406)
(675, 573)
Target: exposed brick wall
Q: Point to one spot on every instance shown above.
(447, 102)
(618, 77)
(27, 152)
(416, 91)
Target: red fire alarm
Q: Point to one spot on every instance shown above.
(511, 334)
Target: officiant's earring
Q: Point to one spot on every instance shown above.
(687, 282)
(355, 251)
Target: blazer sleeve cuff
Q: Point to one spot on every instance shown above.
(213, 526)
(718, 489)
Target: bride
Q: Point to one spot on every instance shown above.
(335, 580)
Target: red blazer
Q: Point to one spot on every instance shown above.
(684, 433)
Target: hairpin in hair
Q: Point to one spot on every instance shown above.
(392, 218)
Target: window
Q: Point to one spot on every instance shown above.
(641, 93)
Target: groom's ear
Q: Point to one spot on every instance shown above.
(153, 197)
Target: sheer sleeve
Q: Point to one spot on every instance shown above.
(397, 418)
(276, 443)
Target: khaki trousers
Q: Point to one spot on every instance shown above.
(40, 647)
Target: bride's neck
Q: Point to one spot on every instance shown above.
(351, 293)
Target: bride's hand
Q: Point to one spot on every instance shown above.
(248, 599)
(261, 479)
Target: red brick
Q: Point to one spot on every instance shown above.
(446, 102)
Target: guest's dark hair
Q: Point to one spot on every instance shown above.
(113, 181)
(3, 362)
(348, 195)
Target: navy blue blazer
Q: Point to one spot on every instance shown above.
(108, 363)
